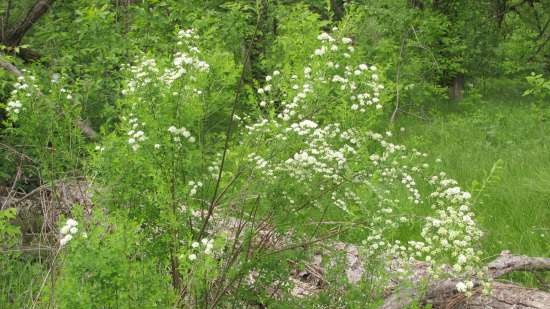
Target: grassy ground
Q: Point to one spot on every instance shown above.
(470, 138)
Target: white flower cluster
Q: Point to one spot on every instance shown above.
(194, 187)
(206, 246)
(261, 164)
(358, 83)
(320, 157)
(452, 231)
(348, 82)
(141, 75)
(177, 134)
(306, 156)
(392, 165)
(135, 135)
(449, 233)
(23, 88)
(319, 152)
(184, 60)
(290, 107)
(68, 231)
(214, 167)
(146, 70)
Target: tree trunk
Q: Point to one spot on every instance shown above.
(337, 7)
(456, 89)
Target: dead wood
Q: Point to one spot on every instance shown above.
(444, 295)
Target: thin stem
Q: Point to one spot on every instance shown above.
(229, 132)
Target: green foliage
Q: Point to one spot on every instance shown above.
(16, 278)
(9, 234)
(539, 87)
(44, 120)
(105, 266)
(297, 29)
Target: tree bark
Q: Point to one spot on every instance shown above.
(456, 89)
(337, 7)
(15, 35)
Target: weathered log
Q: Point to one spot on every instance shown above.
(444, 295)
(502, 296)
(507, 263)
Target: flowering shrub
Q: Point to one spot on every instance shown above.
(305, 154)
(203, 189)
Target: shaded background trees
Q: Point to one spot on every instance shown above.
(435, 47)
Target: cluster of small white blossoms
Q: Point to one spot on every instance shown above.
(135, 134)
(452, 231)
(320, 156)
(183, 60)
(23, 88)
(141, 75)
(330, 44)
(342, 201)
(449, 235)
(68, 231)
(146, 70)
(352, 80)
(214, 167)
(149, 78)
(260, 163)
(178, 134)
(396, 163)
(358, 83)
(194, 187)
(206, 246)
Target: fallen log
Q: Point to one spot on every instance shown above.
(443, 294)
(502, 296)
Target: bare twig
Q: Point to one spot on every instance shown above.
(12, 189)
(229, 131)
